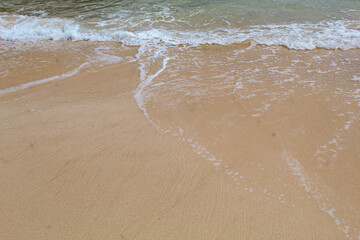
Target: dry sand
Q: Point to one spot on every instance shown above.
(78, 160)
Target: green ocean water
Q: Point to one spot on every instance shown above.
(298, 24)
(186, 14)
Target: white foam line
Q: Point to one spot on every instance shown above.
(336, 143)
(42, 81)
(146, 82)
(323, 204)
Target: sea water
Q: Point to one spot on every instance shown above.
(292, 23)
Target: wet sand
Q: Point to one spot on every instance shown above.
(80, 161)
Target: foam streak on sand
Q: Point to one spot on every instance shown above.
(42, 81)
(145, 79)
(323, 203)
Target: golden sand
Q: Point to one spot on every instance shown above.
(80, 161)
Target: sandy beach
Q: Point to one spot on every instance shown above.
(79, 160)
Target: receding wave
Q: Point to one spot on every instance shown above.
(328, 34)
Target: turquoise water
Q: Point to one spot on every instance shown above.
(192, 14)
(187, 22)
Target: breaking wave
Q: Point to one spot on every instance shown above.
(339, 34)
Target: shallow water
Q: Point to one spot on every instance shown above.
(261, 113)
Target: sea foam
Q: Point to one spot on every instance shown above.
(328, 34)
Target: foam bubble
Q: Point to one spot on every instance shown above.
(355, 78)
